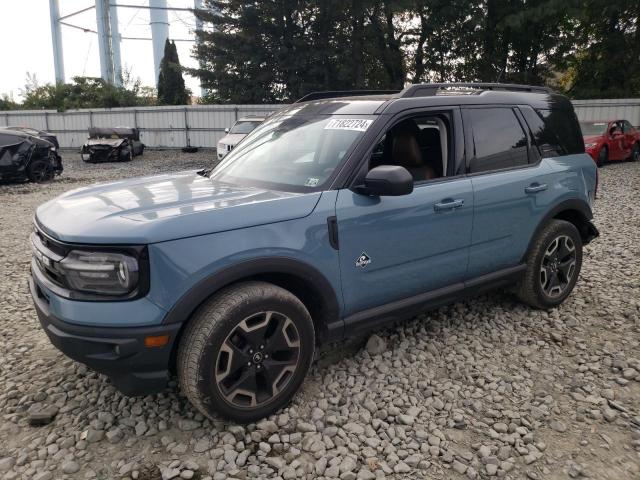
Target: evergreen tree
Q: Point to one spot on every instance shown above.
(278, 50)
(171, 87)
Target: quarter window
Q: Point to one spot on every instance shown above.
(499, 140)
(562, 130)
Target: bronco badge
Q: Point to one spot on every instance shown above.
(363, 260)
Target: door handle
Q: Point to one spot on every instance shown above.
(448, 204)
(536, 187)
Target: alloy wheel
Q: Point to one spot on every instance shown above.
(258, 359)
(558, 266)
(41, 172)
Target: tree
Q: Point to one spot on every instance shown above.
(84, 92)
(608, 64)
(171, 87)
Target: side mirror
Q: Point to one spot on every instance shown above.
(387, 180)
(226, 130)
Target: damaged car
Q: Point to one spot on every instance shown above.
(119, 144)
(27, 157)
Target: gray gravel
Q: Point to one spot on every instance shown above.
(482, 388)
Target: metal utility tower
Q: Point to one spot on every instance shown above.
(104, 40)
(159, 21)
(115, 44)
(56, 40)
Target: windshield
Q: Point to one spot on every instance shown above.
(292, 152)
(593, 128)
(244, 127)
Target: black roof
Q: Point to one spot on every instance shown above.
(428, 95)
(21, 136)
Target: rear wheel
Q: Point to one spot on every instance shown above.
(603, 156)
(40, 171)
(246, 352)
(126, 154)
(553, 265)
(635, 153)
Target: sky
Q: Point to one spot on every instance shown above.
(25, 42)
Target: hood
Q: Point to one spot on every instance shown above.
(592, 138)
(165, 207)
(232, 138)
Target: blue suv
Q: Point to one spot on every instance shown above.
(340, 213)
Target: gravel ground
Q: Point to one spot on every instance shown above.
(482, 388)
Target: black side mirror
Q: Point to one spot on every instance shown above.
(387, 180)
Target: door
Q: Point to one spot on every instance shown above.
(512, 187)
(393, 248)
(396, 247)
(616, 141)
(629, 137)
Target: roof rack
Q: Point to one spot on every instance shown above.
(343, 93)
(430, 89)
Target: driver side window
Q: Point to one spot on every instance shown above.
(419, 144)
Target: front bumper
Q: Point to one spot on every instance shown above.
(120, 353)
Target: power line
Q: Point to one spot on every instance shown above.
(122, 5)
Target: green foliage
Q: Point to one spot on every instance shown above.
(7, 103)
(84, 92)
(609, 64)
(279, 50)
(171, 87)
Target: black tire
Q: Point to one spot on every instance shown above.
(216, 355)
(40, 171)
(544, 263)
(635, 153)
(126, 155)
(603, 156)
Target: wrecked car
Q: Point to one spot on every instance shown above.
(27, 157)
(48, 136)
(118, 144)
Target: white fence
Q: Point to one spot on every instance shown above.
(203, 125)
(615, 109)
(160, 127)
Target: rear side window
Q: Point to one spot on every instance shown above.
(561, 131)
(499, 140)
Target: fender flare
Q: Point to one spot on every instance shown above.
(182, 310)
(579, 206)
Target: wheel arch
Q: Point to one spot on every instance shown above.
(304, 281)
(575, 211)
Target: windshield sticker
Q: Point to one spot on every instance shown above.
(311, 182)
(356, 124)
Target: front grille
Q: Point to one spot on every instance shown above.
(46, 253)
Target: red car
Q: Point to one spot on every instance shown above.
(611, 141)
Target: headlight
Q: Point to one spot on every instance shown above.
(590, 145)
(104, 273)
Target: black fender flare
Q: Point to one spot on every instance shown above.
(331, 324)
(580, 206)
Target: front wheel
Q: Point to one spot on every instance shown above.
(553, 265)
(40, 171)
(246, 351)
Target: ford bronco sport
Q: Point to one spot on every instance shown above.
(341, 212)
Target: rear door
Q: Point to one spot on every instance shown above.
(511, 186)
(630, 135)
